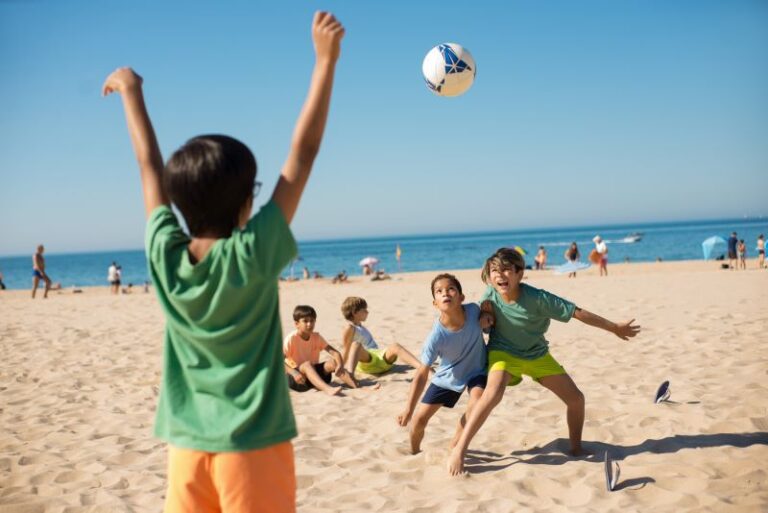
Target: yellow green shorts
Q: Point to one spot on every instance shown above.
(516, 367)
(377, 365)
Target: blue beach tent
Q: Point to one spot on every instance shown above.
(709, 245)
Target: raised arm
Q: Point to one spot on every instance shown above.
(126, 82)
(327, 33)
(623, 330)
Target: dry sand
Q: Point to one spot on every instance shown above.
(79, 377)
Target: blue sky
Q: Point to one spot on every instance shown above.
(589, 112)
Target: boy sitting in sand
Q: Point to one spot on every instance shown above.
(361, 352)
(517, 346)
(224, 407)
(457, 339)
(301, 349)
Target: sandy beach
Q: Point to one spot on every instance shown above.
(79, 379)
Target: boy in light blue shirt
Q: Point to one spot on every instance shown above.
(457, 340)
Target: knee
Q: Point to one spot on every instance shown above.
(576, 400)
(419, 422)
(304, 366)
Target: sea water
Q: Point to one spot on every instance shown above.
(437, 252)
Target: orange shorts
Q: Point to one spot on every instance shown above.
(231, 482)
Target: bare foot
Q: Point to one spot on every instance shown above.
(349, 380)
(580, 452)
(332, 390)
(456, 462)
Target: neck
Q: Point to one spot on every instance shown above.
(305, 336)
(512, 294)
(199, 246)
(453, 318)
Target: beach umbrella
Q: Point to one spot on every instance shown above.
(709, 245)
(369, 261)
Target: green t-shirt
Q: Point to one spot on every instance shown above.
(223, 385)
(521, 325)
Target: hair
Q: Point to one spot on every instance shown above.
(445, 276)
(351, 306)
(504, 258)
(303, 311)
(210, 179)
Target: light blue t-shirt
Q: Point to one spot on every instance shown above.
(462, 353)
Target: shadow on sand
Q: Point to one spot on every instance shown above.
(555, 452)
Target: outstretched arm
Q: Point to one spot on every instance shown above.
(126, 82)
(623, 330)
(417, 387)
(326, 35)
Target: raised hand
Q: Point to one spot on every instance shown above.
(121, 80)
(327, 33)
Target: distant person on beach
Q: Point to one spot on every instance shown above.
(541, 259)
(367, 270)
(114, 281)
(2, 285)
(517, 346)
(572, 255)
(733, 241)
(379, 275)
(38, 272)
(457, 340)
(760, 251)
(224, 406)
(741, 251)
(301, 349)
(361, 352)
(602, 254)
(305, 272)
(340, 277)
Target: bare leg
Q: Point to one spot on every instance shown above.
(35, 284)
(47, 285)
(346, 378)
(474, 396)
(492, 396)
(419, 424)
(564, 387)
(311, 374)
(357, 353)
(395, 351)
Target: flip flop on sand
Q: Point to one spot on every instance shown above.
(663, 393)
(612, 472)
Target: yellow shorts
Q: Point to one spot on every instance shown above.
(377, 365)
(516, 367)
(257, 480)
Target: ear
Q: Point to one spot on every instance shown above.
(461, 296)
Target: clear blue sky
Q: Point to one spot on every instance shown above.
(583, 112)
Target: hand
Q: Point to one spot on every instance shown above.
(626, 330)
(486, 321)
(299, 378)
(327, 32)
(340, 372)
(120, 81)
(404, 418)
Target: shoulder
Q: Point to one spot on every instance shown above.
(471, 309)
(317, 338)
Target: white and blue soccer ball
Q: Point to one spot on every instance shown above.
(449, 69)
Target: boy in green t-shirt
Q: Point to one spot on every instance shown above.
(517, 346)
(224, 406)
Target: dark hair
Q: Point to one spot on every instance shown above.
(505, 258)
(302, 311)
(445, 276)
(210, 179)
(351, 306)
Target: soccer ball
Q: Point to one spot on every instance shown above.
(449, 69)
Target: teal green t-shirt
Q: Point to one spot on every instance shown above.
(223, 384)
(520, 326)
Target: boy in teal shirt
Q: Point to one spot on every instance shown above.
(517, 346)
(224, 406)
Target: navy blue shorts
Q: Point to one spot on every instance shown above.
(448, 398)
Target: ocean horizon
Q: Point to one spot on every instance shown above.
(667, 240)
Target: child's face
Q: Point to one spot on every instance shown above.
(360, 316)
(505, 279)
(305, 326)
(446, 295)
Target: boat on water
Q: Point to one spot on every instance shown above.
(633, 237)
